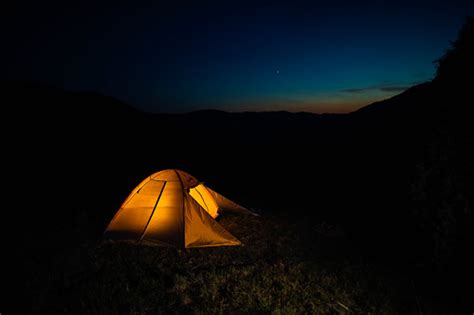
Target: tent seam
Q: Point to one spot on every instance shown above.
(153, 212)
(184, 207)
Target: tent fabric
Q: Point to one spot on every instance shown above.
(173, 208)
(227, 205)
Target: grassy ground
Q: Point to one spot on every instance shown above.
(285, 267)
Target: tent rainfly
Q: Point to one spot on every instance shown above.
(172, 208)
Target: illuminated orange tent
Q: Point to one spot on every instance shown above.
(173, 208)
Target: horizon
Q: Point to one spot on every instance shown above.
(42, 85)
(285, 56)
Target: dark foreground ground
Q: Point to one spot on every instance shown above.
(285, 266)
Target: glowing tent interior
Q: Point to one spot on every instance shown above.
(173, 208)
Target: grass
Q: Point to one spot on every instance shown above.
(284, 267)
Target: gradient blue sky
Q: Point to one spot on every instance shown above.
(322, 57)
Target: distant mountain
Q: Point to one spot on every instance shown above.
(30, 98)
(414, 100)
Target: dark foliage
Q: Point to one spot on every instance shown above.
(456, 66)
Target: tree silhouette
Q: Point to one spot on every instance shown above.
(458, 62)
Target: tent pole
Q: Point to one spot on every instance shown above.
(151, 215)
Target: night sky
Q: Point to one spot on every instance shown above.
(322, 57)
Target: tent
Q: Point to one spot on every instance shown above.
(173, 208)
